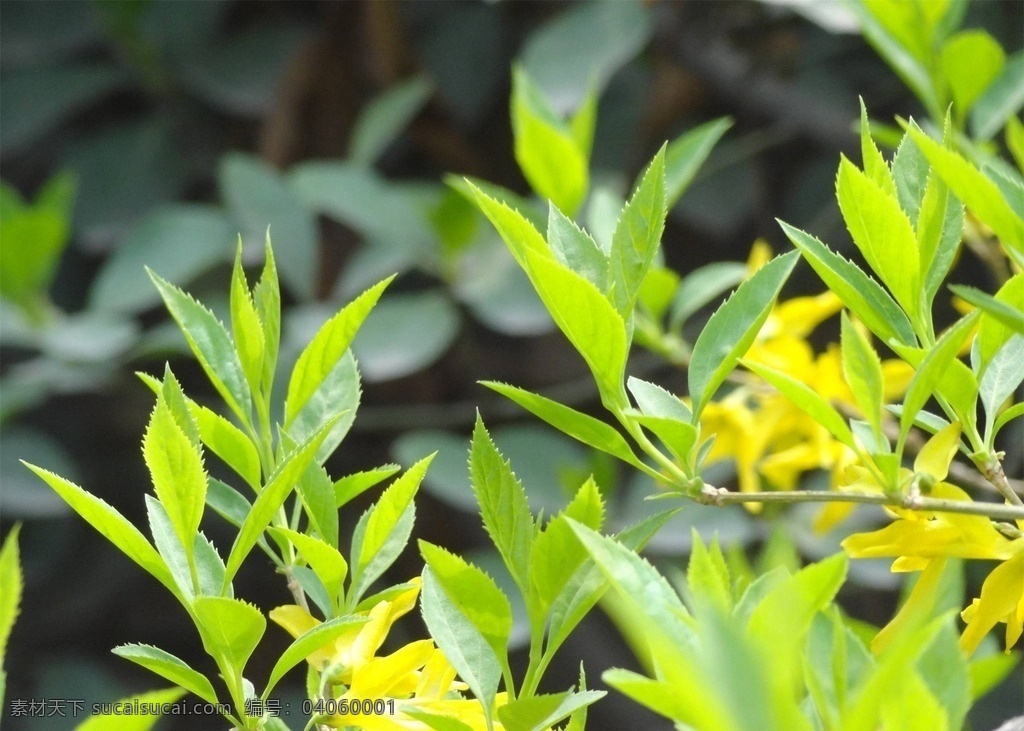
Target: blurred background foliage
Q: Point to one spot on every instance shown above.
(154, 133)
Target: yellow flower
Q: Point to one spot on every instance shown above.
(356, 647)
(416, 677)
(918, 540)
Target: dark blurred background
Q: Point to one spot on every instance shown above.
(185, 123)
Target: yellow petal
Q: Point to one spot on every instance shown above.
(1000, 600)
(938, 452)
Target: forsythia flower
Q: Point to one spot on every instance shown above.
(768, 436)
(415, 677)
(918, 539)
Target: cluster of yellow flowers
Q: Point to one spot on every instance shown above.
(417, 677)
(773, 442)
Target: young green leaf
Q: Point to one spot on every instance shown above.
(246, 327)
(637, 237)
(11, 585)
(707, 575)
(875, 166)
(685, 154)
(316, 490)
(169, 667)
(977, 191)
(883, 234)
(279, 486)
(176, 467)
(323, 558)
(211, 345)
(503, 506)
(863, 372)
(860, 293)
(580, 426)
(541, 712)
(910, 173)
(337, 397)
(474, 594)
(319, 358)
(462, 644)
(733, 328)
(970, 60)
(940, 228)
(266, 297)
(230, 628)
(574, 248)
(384, 529)
(351, 486)
(1001, 377)
(701, 286)
(585, 317)
(1003, 315)
(228, 442)
(547, 151)
(654, 400)
(111, 525)
(931, 370)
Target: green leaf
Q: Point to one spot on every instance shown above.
(970, 60)
(574, 248)
(462, 644)
(230, 628)
(279, 486)
(154, 699)
(266, 297)
(587, 585)
(384, 529)
(228, 442)
(351, 486)
(863, 372)
(580, 50)
(474, 594)
(246, 326)
(580, 426)
(644, 589)
(176, 467)
(981, 196)
(910, 173)
(325, 560)
(546, 149)
(169, 667)
(319, 358)
(385, 116)
(211, 345)
(586, 318)
(654, 400)
(1006, 416)
(883, 234)
(1003, 315)
(208, 563)
(1001, 377)
(1001, 101)
(111, 525)
(260, 201)
(931, 370)
(503, 507)
(541, 712)
(685, 154)
(515, 229)
(659, 696)
(707, 575)
(309, 642)
(11, 585)
(940, 228)
(316, 490)
(733, 328)
(336, 398)
(227, 502)
(875, 167)
(859, 292)
(807, 399)
(896, 38)
(637, 237)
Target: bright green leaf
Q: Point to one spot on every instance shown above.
(863, 372)
(733, 328)
(230, 628)
(169, 667)
(971, 60)
(685, 154)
